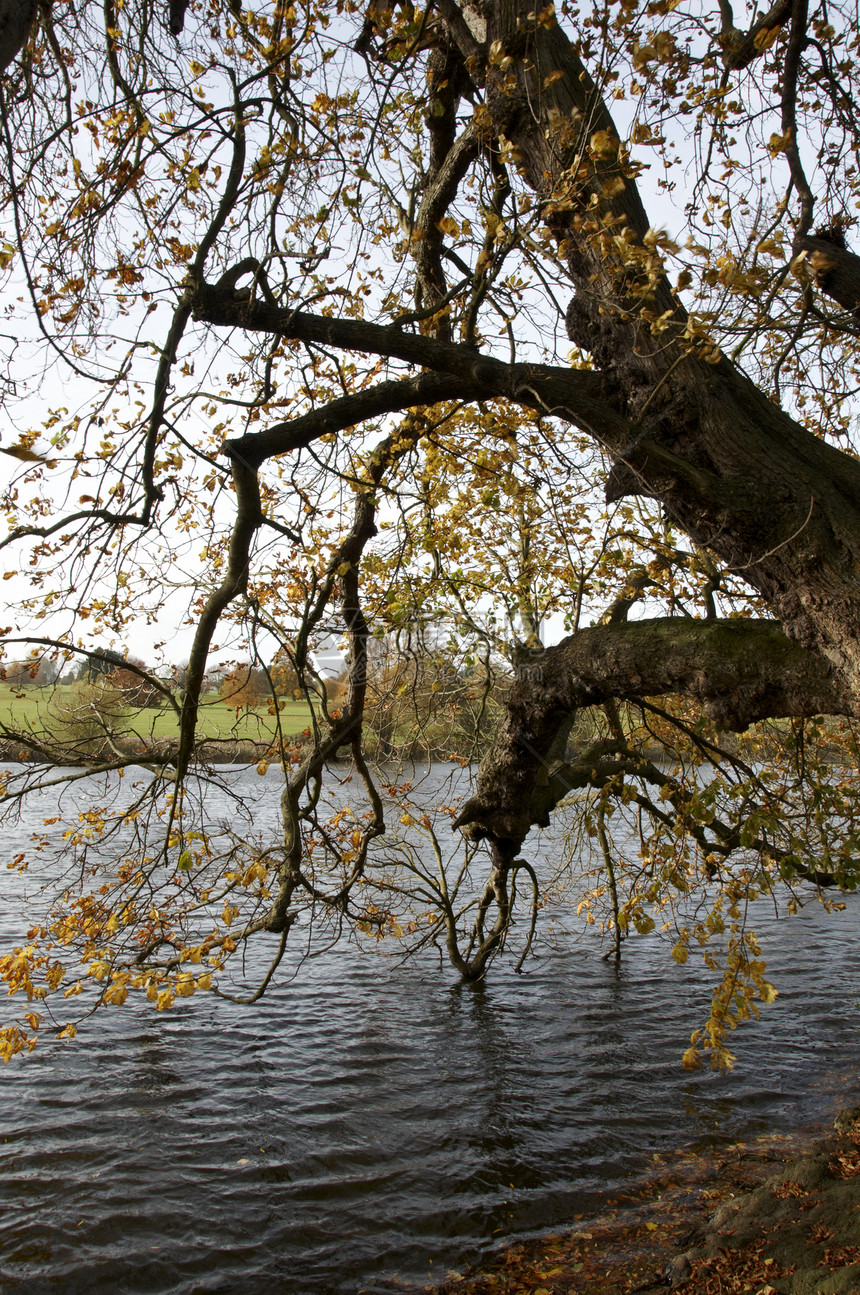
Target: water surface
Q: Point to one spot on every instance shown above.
(371, 1124)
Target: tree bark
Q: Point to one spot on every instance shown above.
(16, 22)
(836, 270)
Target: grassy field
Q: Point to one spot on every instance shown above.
(36, 709)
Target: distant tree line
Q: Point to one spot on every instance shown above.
(429, 700)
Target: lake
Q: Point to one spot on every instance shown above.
(371, 1124)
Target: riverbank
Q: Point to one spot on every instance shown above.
(780, 1216)
(212, 751)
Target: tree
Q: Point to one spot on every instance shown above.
(245, 686)
(36, 671)
(100, 664)
(136, 688)
(368, 303)
(420, 704)
(86, 720)
(284, 677)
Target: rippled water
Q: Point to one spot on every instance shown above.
(372, 1123)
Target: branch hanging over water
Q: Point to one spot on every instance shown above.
(739, 671)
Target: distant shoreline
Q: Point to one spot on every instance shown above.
(210, 752)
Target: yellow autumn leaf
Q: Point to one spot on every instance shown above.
(604, 144)
(644, 55)
(116, 994)
(766, 37)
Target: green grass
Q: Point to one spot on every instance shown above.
(217, 721)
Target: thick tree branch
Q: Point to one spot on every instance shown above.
(249, 518)
(575, 394)
(742, 48)
(796, 45)
(450, 160)
(836, 270)
(385, 398)
(739, 671)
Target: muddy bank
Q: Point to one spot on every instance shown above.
(780, 1216)
(797, 1234)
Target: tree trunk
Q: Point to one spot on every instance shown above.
(735, 472)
